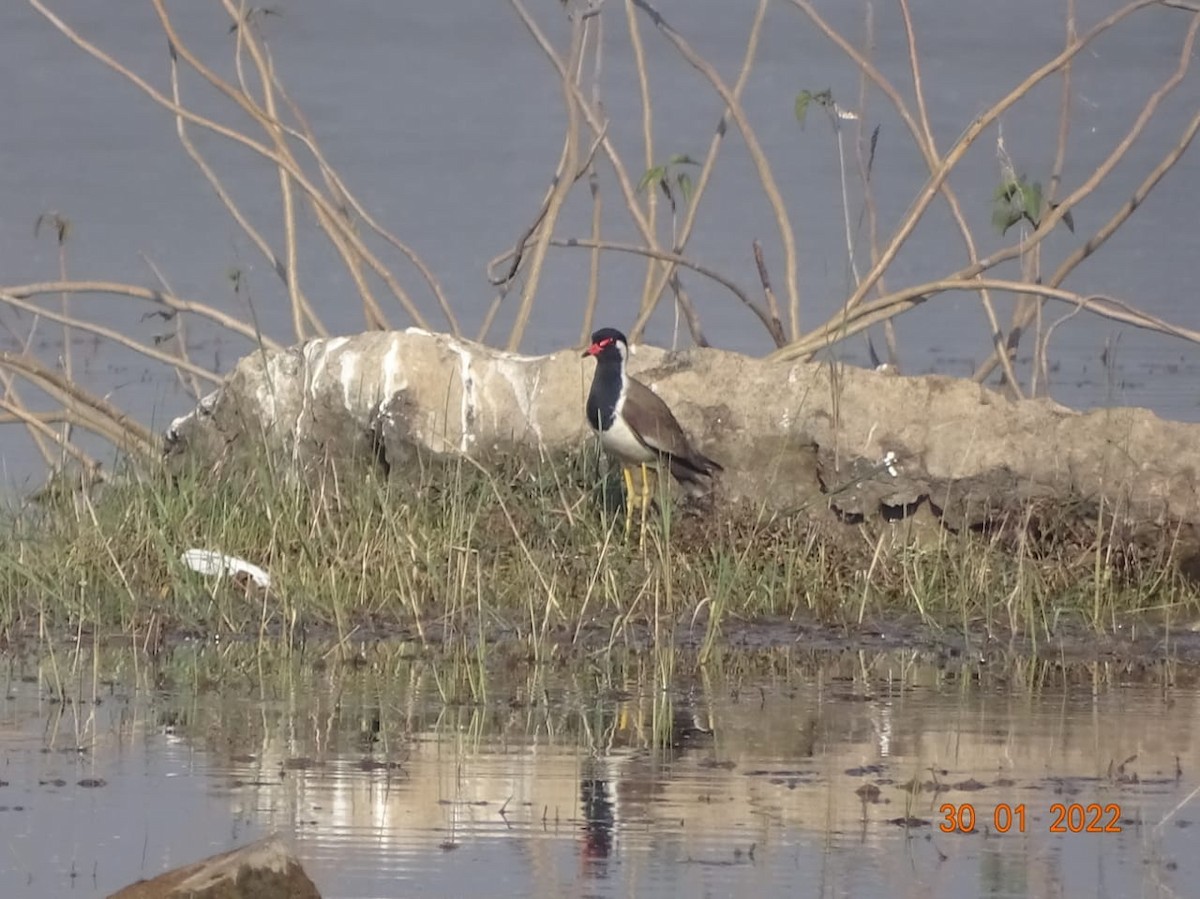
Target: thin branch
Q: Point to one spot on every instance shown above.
(158, 298)
(959, 149)
(567, 165)
(706, 170)
(115, 336)
(757, 156)
(675, 259)
(855, 320)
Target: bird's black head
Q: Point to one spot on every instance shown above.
(608, 345)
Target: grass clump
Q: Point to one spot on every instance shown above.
(463, 552)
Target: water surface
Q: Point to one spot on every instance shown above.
(774, 773)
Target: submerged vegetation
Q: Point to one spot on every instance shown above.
(456, 552)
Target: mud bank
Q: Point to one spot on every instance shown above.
(856, 445)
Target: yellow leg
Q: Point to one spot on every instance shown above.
(627, 474)
(646, 491)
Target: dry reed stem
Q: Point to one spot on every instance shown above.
(599, 128)
(706, 169)
(930, 151)
(227, 200)
(1040, 365)
(639, 64)
(157, 298)
(955, 154)
(39, 423)
(344, 197)
(676, 260)
(567, 163)
(867, 314)
(94, 413)
(191, 385)
(11, 392)
(1119, 217)
(341, 234)
(243, 29)
(312, 192)
(116, 337)
(593, 291)
(866, 166)
(922, 136)
(761, 165)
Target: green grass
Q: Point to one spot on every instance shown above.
(459, 553)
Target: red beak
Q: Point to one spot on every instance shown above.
(591, 351)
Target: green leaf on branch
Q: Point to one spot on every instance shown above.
(805, 98)
(654, 175)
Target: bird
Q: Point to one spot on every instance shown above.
(637, 428)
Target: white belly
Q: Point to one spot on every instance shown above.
(620, 441)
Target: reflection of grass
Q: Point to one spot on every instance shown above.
(460, 554)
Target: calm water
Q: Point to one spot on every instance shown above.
(778, 773)
(447, 120)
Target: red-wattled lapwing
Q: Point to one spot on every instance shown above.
(637, 427)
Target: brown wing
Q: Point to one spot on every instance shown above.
(653, 421)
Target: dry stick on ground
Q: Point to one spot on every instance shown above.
(1097, 240)
(567, 165)
(231, 206)
(154, 297)
(313, 193)
(758, 157)
(955, 154)
(706, 170)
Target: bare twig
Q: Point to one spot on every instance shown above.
(157, 298)
(116, 337)
(758, 157)
(775, 327)
(959, 149)
(675, 259)
(567, 166)
(706, 170)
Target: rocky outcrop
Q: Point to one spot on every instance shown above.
(262, 870)
(789, 434)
